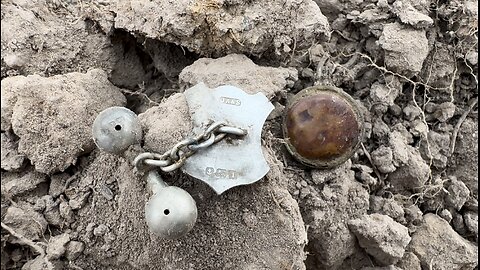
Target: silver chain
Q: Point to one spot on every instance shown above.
(176, 157)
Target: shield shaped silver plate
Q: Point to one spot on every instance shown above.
(234, 162)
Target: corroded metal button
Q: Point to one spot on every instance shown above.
(322, 126)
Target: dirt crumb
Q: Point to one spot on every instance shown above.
(14, 184)
(11, 159)
(26, 222)
(405, 48)
(56, 246)
(381, 237)
(438, 246)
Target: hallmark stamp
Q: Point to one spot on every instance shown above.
(231, 101)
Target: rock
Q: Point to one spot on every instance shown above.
(217, 29)
(25, 221)
(238, 70)
(327, 210)
(471, 221)
(413, 214)
(165, 125)
(380, 129)
(38, 263)
(465, 158)
(412, 112)
(370, 16)
(66, 212)
(57, 246)
(57, 184)
(439, 67)
(382, 157)
(365, 175)
(11, 159)
(471, 204)
(52, 211)
(405, 48)
(384, 94)
(100, 230)
(446, 215)
(438, 246)
(387, 207)
(444, 111)
(40, 204)
(78, 200)
(409, 262)
(412, 170)
(14, 184)
(74, 249)
(402, 130)
(395, 110)
(418, 128)
(458, 194)
(409, 15)
(437, 149)
(381, 237)
(459, 224)
(472, 57)
(53, 121)
(399, 146)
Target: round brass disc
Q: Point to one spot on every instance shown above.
(322, 126)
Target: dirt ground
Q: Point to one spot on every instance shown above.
(407, 199)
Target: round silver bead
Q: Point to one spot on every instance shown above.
(115, 129)
(171, 212)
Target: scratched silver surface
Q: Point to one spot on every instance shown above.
(228, 163)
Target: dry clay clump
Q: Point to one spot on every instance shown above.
(381, 237)
(11, 159)
(221, 27)
(405, 48)
(238, 70)
(53, 116)
(36, 40)
(438, 246)
(327, 211)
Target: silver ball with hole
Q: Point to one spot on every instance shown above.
(171, 212)
(115, 129)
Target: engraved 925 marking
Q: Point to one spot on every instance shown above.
(221, 173)
(231, 101)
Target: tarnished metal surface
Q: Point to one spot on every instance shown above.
(235, 162)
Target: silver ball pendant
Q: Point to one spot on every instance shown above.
(171, 212)
(115, 129)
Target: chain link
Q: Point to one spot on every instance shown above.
(176, 157)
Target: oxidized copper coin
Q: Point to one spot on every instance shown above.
(322, 126)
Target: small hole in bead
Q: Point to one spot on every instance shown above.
(166, 212)
(118, 127)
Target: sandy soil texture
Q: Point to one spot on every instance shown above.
(407, 199)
